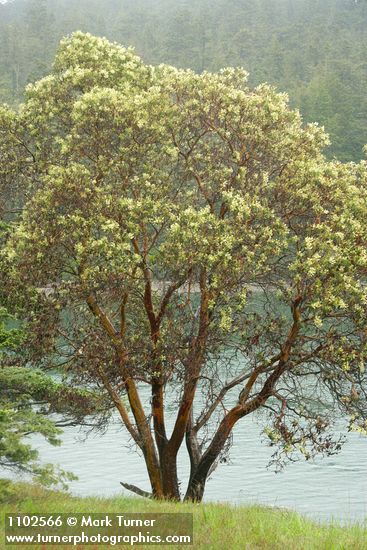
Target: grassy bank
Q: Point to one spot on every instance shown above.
(216, 526)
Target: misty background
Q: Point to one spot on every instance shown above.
(313, 49)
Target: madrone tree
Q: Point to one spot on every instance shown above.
(184, 233)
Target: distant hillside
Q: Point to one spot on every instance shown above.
(313, 49)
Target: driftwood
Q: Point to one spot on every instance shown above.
(136, 490)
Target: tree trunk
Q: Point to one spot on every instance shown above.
(170, 485)
(195, 490)
(193, 448)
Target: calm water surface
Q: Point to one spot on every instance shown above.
(334, 487)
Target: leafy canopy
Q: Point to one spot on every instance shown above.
(186, 231)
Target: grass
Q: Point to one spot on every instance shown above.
(216, 526)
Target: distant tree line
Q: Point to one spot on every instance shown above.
(313, 49)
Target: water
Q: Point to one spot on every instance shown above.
(325, 489)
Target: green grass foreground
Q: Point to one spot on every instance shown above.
(216, 526)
